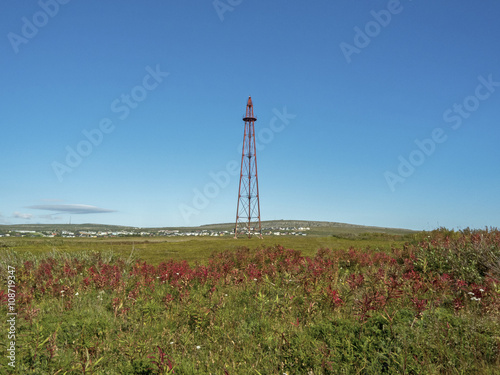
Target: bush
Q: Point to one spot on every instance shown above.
(469, 255)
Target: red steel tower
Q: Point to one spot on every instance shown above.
(248, 208)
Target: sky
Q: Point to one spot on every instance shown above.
(382, 113)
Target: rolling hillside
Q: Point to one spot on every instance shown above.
(319, 228)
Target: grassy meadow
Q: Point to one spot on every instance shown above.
(418, 303)
(155, 250)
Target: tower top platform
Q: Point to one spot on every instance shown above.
(249, 117)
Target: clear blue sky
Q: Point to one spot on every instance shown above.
(379, 113)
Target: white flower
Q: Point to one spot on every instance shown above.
(254, 279)
(198, 347)
(171, 343)
(76, 293)
(481, 290)
(471, 293)
(225, 295)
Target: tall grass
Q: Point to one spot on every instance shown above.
(426, 308)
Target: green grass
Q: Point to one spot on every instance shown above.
(370, 305)
(198, 249)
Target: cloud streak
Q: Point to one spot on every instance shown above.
(19, 215)
(74, 209)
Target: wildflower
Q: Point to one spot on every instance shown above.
(171, 343)
(254, 279)
(198, 347)
(481, 290)
(471, 293)
(76, 293)
(225, 295)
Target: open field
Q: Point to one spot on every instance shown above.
(156, 249)
(418, 303)
(196, 249)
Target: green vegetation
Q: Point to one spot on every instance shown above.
(198, 249)
(427, 303)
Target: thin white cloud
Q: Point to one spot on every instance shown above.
(75, 209)
(19, 215)
(50, 217)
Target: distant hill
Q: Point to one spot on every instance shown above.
(324, 228)
(318, 227)
(67, 227)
